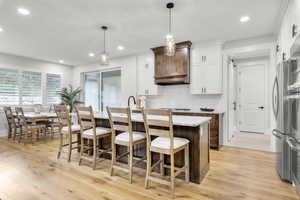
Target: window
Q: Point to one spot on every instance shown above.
(53, 86)
(9, 90)
(31, 88)
(102, 89)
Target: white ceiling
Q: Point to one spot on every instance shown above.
(70, 29)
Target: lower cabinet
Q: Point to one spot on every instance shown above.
(216, 127)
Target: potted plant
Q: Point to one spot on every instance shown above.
(70, 96)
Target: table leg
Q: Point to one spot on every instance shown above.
(34, 129)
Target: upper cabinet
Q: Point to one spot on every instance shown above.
(206, 69)
(145, 75)
(289, 31)
(173, 69)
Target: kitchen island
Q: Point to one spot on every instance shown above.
(194, 128)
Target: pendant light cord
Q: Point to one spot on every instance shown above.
(170, 20)
(104, 41)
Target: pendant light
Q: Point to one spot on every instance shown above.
(104, 55)
(170, 41)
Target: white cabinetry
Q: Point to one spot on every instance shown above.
(206, 69)
(289, 30)
(145, 72)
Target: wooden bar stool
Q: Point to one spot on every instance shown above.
(90, 132)
(120, 120)
(66, 131)
(159, 123)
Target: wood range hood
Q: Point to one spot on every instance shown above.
(171, 70)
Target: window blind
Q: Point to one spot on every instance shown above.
(9, 90)
(31, 87)
(53, 86)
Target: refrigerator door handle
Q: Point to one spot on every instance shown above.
(275, 93)
(276, 133)
(290, 142)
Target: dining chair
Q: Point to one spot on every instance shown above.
(28, 129)
(91, 133)
(159, 123)
(66, 131)
(120, 121)
(13, 127)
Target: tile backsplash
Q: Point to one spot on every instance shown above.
(179, 96)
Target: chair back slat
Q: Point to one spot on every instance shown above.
(122, 128)
(120, 119)
(161, 126)
(159, 132)
(156, 122)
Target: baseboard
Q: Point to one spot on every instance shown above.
(3, 133)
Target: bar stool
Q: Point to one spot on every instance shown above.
(120, 120)
(90, 132)
(67, 130)
(159, 123)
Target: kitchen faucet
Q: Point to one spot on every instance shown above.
(131, 97)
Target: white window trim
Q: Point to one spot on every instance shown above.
(43, 84)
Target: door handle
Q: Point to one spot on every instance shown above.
(275, 133)
(290, 142)
(261, 107)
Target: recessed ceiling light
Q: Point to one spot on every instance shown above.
(23, 11)
(1, 29)
(120, 48)
(244, 19)
(91, 54)
(61, 61)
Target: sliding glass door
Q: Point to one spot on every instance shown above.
(102, 89)
(110, 89)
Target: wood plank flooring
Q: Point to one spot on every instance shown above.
(32, 172)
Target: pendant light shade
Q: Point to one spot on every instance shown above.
(104, 55)
(170, 41)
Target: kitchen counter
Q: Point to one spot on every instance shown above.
(194, 128)
(192, 121)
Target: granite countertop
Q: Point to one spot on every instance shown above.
(192, 121)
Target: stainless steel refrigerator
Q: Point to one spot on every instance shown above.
(293, 139)
(281, 113)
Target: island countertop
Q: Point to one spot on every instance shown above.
(178, 120)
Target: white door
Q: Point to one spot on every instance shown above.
(251, 97)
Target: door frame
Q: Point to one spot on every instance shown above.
(265, 63)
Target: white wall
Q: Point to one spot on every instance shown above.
(23, 63)
(128, 74)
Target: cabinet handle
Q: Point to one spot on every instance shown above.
(294, 30)
(283, 56)
(277, 48)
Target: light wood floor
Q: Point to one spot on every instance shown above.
(33, 172)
